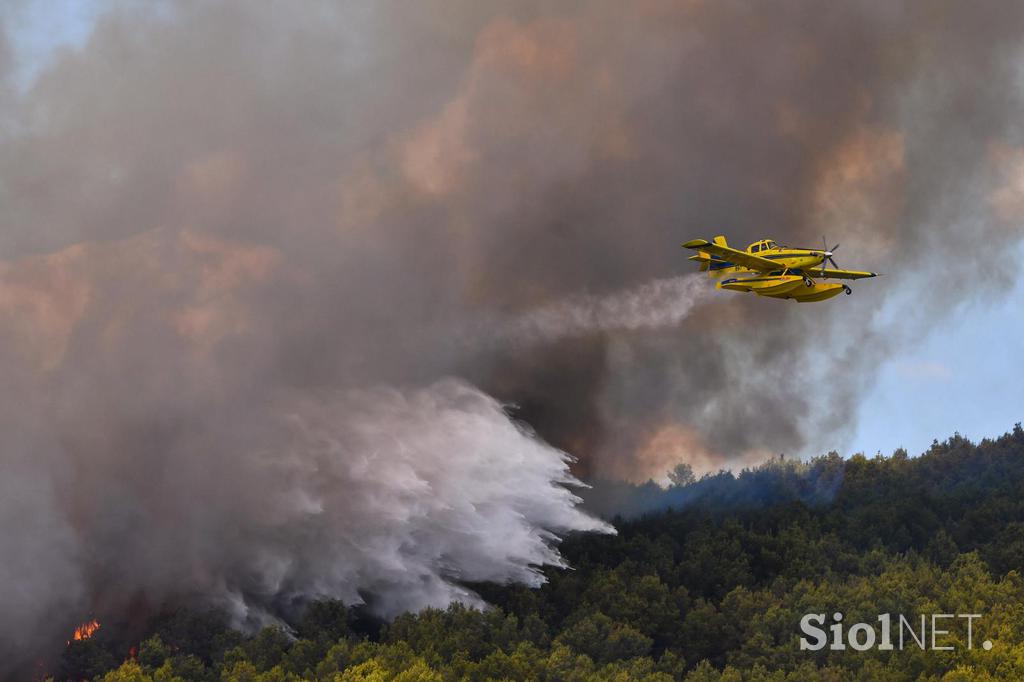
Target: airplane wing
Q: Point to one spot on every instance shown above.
(747, 260)
(828, 273)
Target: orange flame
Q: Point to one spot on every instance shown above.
(85, 630)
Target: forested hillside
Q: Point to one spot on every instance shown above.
(711, 588)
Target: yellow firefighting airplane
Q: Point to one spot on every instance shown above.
(768, 269)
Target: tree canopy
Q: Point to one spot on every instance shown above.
(706, 581)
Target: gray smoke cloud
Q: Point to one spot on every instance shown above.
(242, 244)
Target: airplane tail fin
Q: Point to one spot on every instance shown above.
(712, 263)
(704, 258)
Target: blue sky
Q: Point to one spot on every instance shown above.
(39, 28)
(965, 377)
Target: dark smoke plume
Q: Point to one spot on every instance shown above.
(245, 245)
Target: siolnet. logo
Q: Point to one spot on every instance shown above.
(937, 631)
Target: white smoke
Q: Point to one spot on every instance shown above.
(658, 304)
(394, 494)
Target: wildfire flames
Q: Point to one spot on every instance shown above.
(85, 631)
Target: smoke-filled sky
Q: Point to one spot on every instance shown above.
(268, 271)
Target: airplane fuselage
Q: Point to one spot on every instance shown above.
(787, 258)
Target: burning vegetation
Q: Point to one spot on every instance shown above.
(85, 631)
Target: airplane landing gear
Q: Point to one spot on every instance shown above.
(847, 289)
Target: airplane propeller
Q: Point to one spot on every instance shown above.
(827, 252)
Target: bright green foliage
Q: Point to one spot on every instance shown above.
(130, 671)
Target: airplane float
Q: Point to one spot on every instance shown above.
(768, 269)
